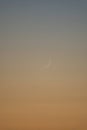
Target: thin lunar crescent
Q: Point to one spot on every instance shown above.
(47, 65)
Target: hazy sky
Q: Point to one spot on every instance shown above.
(43, 64)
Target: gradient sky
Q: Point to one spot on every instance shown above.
(43, 64)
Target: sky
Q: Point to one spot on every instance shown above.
(43, 64)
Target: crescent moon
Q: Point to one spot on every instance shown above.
(47, 66)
